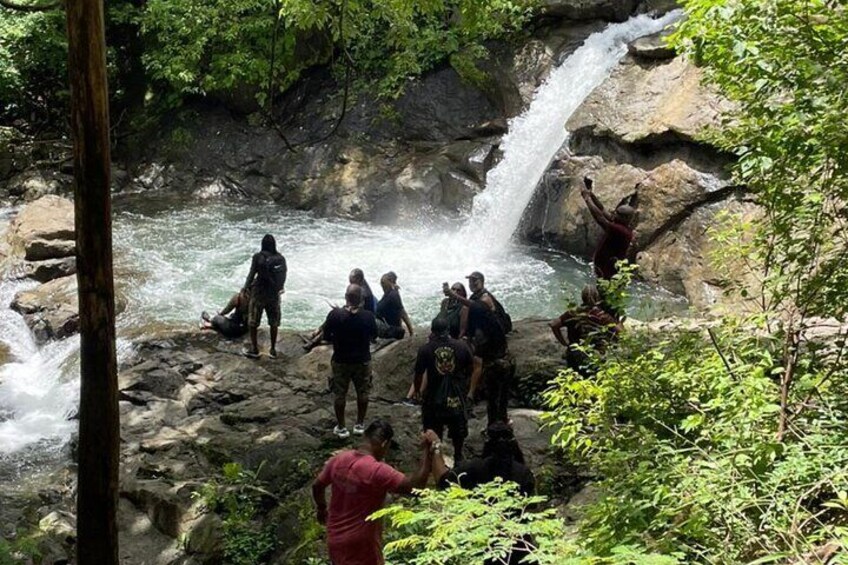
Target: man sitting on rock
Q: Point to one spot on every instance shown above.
(447, 364)
(618, 233)
(231, 322)
(350, 330)
(587, 325)
(360, 481)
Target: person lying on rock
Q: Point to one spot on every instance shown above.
(618, 233)
(455, 315)
(587, 325)
(231, 322)
(390, 311)
(486, 331)
(369, 303)
(266, 282)
(359, 481)
(350, 330)
(447, 364)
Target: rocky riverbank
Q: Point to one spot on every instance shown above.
(191, 403)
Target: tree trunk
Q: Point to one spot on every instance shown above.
(97, 493)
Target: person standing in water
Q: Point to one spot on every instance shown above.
(618, 233)
(266, 281)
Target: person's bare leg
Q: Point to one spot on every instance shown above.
(254, 340)
(361, 408)
(339, 406)
(273, 350)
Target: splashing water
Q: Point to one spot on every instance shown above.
(175, 258)
(535, 136)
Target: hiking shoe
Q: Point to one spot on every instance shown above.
(358, 429)
(410, 402)
(272, 354)
(341, 433)
(250, 354)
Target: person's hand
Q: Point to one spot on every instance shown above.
(425, 441)
(322, 515)
(431, 436)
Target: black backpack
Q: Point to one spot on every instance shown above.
(502, 316)
(272, 272)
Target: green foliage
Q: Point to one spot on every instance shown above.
(25, 548)
(33, 56)
(236, 498)
(784, 64)
(683, 433)
(458, 526)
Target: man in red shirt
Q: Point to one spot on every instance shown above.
(617, 232)
(360, 481)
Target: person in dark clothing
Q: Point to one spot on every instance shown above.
(266, 282)
(231, 322)
(494, 366)
(588, 325)
(390, 311)
(447, 364)
(454, 312)
(350, 330)
(357, 277)
(502, 458)
(618, 233)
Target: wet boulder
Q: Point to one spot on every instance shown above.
(51, 310)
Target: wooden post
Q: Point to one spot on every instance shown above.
(99, 425)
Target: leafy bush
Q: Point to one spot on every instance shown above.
(236, 498)
(458, 526)
(684, 434)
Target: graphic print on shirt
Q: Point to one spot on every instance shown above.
(445, 360)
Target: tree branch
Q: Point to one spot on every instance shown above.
(30, 8)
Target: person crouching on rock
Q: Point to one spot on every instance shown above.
(360, 481)
(588, 324)
(266, 282)
(231, 322)
(447, 364)
(390, 311)
(350, 330)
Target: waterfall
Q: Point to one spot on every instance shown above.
(536, 136)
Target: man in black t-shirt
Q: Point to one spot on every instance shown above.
(266, 282)
(448, 363)
(390, 311)
(494, 365)
(350, 330)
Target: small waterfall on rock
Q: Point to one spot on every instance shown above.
(535, 136)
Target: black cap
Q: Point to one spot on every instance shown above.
(476, 275)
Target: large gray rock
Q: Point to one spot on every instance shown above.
(51, 310)
(41, 238)
(644, 104)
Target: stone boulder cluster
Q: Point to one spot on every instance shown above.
(40, 245)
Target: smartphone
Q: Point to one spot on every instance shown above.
(445, 288)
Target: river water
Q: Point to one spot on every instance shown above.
(175, 258)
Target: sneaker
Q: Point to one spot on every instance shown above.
(272, 354)
(341, 433)
(358, 429)
(250, 354)
(411, 402)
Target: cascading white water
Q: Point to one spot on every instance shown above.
(535, 136)
(174, 259)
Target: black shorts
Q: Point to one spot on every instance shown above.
(228, 328)
(438, 420)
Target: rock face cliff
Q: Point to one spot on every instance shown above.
(642, 131)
